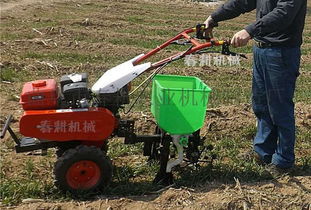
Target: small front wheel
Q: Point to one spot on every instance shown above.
(82, 170)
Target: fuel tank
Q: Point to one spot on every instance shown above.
(89, 124)
(39, 95)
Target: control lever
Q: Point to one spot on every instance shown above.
(226, 51)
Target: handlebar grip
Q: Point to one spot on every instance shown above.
(200, 31)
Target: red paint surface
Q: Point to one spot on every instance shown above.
(39, 94)
(93, 124)
(84, 174)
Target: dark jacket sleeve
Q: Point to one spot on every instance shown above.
(233, 8)
(276, 20)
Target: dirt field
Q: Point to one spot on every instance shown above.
(49, 38)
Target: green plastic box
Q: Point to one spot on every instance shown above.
(179, 103)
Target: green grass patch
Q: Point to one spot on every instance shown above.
(228, 89)
(15, 189)
(29, 183)
(151, 32)
(303, 89)
(306, 66)
(11, 74)
(71, 58)
(45, 23)
(305, 50)
(118, 149)
(11, 36)
(136, 19)
(149, 44)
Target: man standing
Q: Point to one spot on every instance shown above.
(277, 33)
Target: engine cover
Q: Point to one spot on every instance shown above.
(92, 124)
(73, 78)
(74, 92)
(39, 94)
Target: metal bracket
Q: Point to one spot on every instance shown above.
(7, 127)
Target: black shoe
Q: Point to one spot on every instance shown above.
(277, 172)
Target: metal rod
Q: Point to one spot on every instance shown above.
(41, 145)
(17, 140)
(6, 126)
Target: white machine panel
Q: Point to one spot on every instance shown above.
(117, 77)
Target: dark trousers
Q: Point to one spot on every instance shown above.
(275, 72)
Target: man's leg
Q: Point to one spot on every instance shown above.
(280, 79)
(265, 141)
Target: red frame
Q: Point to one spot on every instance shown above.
(183, 35)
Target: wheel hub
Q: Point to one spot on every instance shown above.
(83, 174)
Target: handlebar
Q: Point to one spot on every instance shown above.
(196, 45)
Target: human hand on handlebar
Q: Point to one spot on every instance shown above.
(209, 25)
(240, 39)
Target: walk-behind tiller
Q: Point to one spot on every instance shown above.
(78, 121)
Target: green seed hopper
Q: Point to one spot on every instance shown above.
(179, 103)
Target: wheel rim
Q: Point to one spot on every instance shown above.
(84, 174)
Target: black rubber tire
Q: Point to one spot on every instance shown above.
(59, 152)
(82, 153)
(64, 147)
